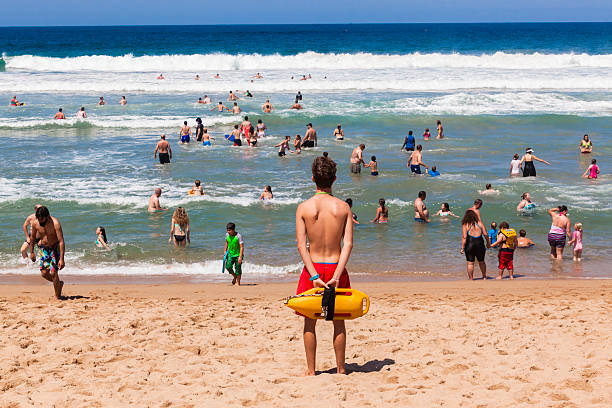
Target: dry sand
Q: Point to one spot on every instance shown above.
(451, 344)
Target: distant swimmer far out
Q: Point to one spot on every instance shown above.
(160, 76)
(59, 114)
(15, 102)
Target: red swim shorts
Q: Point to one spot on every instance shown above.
(326, 272)
(505, 260)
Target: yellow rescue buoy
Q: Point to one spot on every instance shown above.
(350, 303)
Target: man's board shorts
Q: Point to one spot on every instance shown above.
(374, 173)
(253, 143)
(506, 255)
(237, 142)
(49, 258)
(281, 154)
(308, 143)
(164, 158)
(415, 168)
(326, 272)
(233, 266)
(419, 219)
(355, 168)
(206, 143)
(185, 139)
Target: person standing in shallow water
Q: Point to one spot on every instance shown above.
(327, 224)
(528, 167)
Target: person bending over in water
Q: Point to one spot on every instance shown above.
(577, 241)
(382, 213)
(592, 171)
(165, 152)
(326, 223)
(586, 145)
(421, 213)
(154, 205)
(267, 193)
(445, 211)
(559, 230)
(488, 190)
(473, 243)
(338, 133)
(28, 224)
(47, 232)
(528, 158)
(101, 241)
(373, 165)
(59, 114)
(523, 241)
(196, 189)
(433, 172)
(179, 227)
(525, 204)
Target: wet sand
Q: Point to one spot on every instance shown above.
(541, 343)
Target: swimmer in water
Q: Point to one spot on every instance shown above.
(284, 145)
(217, 76)
(297, 144)
(586, 145)
(101, 101)
(101, 241)
(408, 142)
(440, 130)
(179, 227)
(232, 96)
(15, 102)
(81, 113)
(123, 101)
(426, 134)
(220, 107)
(206, 138)
(525, 204)
(197, 77)
(261, 129)
(296, 105)
(592, 171)
(59, 114)
(338, 132)
(267, 194)
(267, 107)
(248, 94)
(161, 76)
(415, 161)
(349, 201)
(373, 165)
(165, 152)
(515, 166)
(488, 190)
(577, 241)
(421, 213)
(528, 158)
(245, 127)
(206, 100)
(523, 241)
(236, 134)
(258, 76)
(445, 211)
(154, 204)
(236, 109)
(382, 213)
(196, 189)
(433, 172)
(185, 133)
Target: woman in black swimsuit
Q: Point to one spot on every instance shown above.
(179, 227)
(528, 167)
(473, 243)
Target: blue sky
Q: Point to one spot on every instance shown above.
(141, 12)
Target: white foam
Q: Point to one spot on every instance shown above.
(303, 61)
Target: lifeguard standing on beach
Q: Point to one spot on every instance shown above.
(326, 223)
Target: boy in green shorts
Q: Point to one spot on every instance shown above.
(234, 248)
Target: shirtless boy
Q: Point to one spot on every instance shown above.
(165, 152)
(47, 231)
(415, 161)
(327, 224)
(28, 223)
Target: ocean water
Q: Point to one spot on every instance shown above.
(497, 88)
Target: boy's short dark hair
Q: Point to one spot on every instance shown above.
(522, 233)
(42, 212)
(323, 171)
(504, 225)
(230, 226)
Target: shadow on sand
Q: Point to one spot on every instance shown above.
(369, 367)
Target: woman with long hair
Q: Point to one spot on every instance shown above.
(382, 212)
(101, 241)
(179, 227)
(473, 237)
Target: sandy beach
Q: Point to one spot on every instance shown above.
(454, 344)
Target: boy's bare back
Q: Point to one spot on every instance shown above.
(324, 220)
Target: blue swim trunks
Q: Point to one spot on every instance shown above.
(419, 220)
(415, 168)
(185, 139)
(206, 143)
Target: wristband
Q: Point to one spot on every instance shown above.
(314, 277)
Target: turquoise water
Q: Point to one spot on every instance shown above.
(496, 88)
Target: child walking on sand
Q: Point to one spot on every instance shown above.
(327, 224)
(234, 249)
(506, 239)
(577, 241)
(373, 166)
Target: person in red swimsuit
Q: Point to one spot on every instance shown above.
(326, 223)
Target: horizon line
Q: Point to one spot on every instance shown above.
(307, 24)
